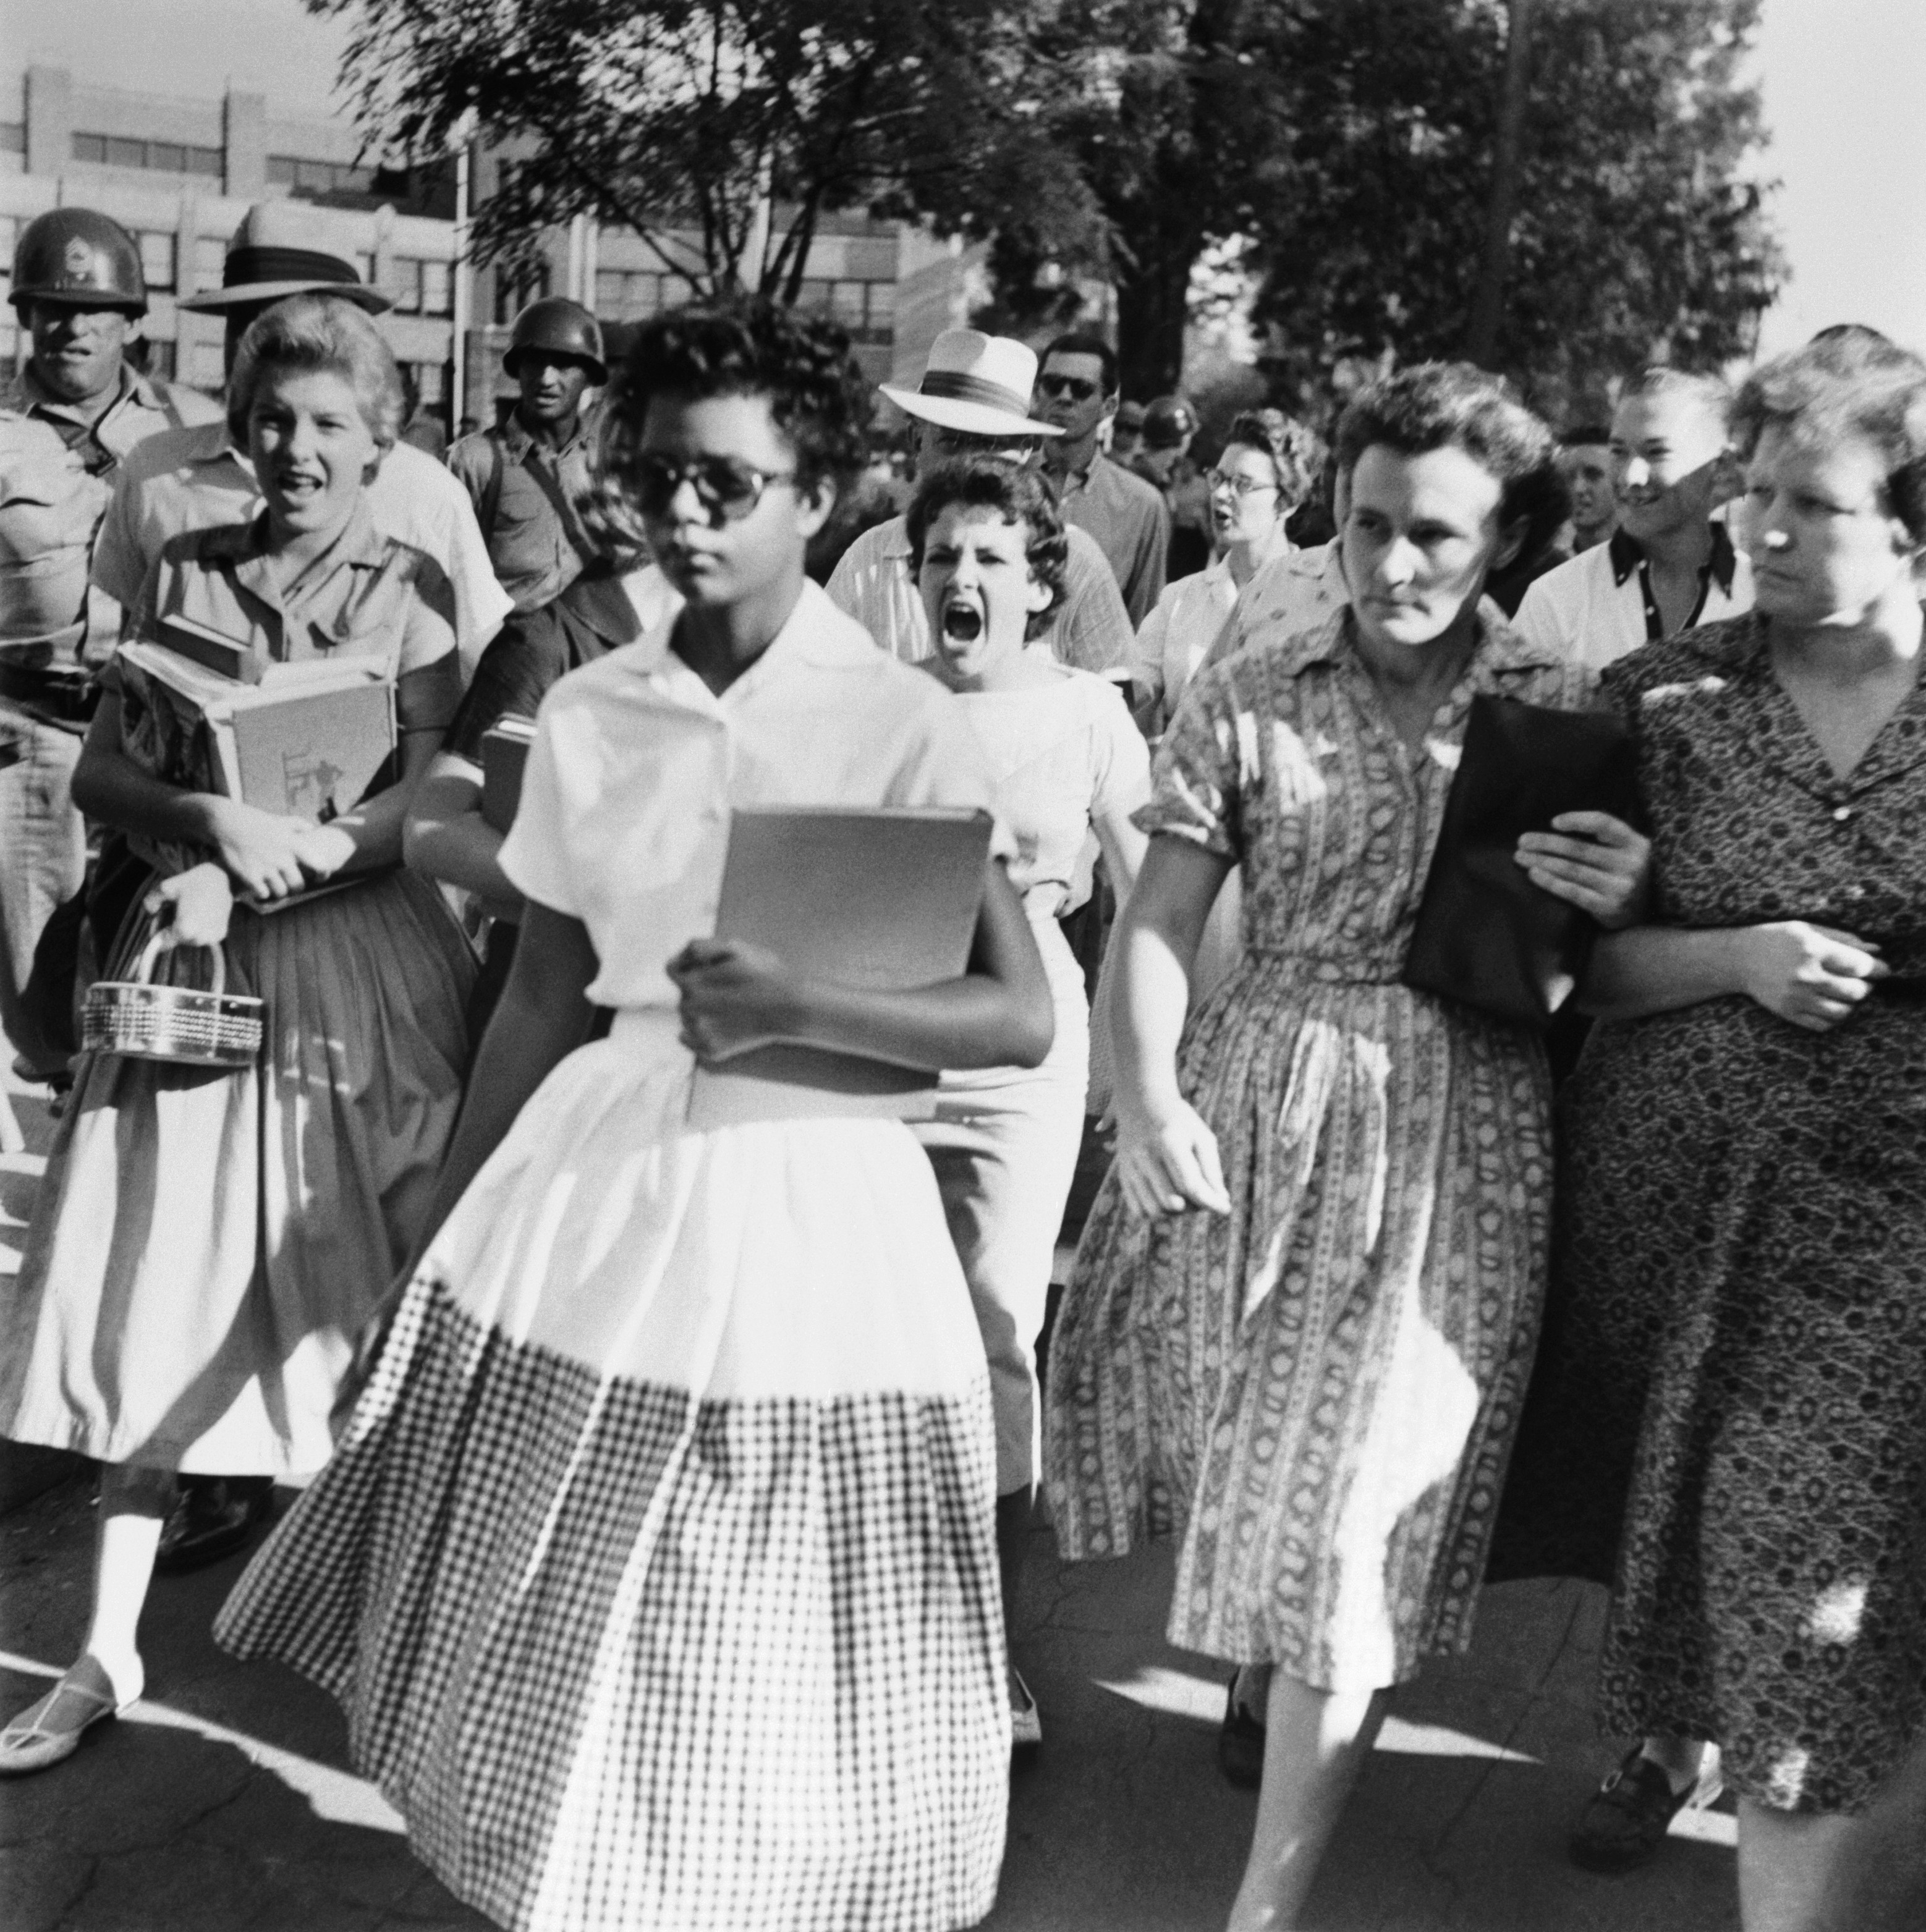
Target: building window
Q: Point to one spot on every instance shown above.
(437, 288)
(431, 384)
(170, 157)
(404, 284)
(868, 309)
(207, 368)
(304, 177)
(157, 262)
(634, 295)
(514, 292)
(210, 260)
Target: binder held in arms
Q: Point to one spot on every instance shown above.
(305, 739)
(505, 746)
(886, 899)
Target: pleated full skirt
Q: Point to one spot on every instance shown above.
(1318, 1391)
(656, 1570)
(206, 1244)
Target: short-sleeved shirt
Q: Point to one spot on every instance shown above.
(1131, 524)
(1295, 591)
(195, 479)
(873, 583)
(1598, 606)
(1061, 755)
(369, 596)
(637, 766)
(141, 409)
(1173, 639)
(598, 613)
(527, 499)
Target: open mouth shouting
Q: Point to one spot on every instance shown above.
(962, 620)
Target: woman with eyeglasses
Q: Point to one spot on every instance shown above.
(656, 1569)
(1269, 463)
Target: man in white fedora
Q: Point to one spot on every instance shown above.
(194, 479)
(974, 400)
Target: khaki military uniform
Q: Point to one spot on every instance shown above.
(57, 471)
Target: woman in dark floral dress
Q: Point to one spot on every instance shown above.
(1743, 1203)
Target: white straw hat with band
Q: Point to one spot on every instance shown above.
(288, 248)
(976, 383)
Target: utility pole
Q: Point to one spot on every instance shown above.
(1488, 297)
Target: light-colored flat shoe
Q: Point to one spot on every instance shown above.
(49, 1732)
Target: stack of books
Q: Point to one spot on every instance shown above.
(504, 754)
(305, 739)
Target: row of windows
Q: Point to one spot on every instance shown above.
(868, 309)
(172, 157)
(307, 177)
(421, 288)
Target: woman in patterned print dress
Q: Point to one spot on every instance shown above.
(1314, 1379)
(1743, 1203)
(656, 1569)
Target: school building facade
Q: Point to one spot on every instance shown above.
(180, 172)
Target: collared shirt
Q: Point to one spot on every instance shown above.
(871, 582)
(1600, 605)
(141, 408)
(1131, 524)
(637, 765)
(194, 479)
(1295, 590)
(526, 496)
(54, 583)
(367, 596)
(1173, 639)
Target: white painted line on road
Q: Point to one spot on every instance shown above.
(338, 1796)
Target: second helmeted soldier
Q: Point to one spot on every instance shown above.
(528, 476)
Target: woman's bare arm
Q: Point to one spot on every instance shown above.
(446, 837)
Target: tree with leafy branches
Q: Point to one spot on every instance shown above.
(698, 117)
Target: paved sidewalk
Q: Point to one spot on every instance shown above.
(223, 1804)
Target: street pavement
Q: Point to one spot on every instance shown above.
(223, 1802)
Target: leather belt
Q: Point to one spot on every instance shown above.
(60, 693)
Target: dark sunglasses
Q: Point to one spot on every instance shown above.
(1078, 388)
(727, 490)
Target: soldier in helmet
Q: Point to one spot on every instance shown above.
(66, 421)
(529, 475)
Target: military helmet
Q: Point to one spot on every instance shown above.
(77, 257)
(562, 327)
(1168, 420)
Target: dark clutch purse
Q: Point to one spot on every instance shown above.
(1486, 936)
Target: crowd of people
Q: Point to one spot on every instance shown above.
(664, 1491)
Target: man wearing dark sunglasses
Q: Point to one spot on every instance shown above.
(1075, 392)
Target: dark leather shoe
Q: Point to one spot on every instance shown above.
(1240, 1744)
(1629, 1815)
(213, 1517)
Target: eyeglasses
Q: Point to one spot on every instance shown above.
(1078, 388)
(1238, 486)
(727, 490)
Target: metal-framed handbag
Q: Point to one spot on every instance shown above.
(139, 1019)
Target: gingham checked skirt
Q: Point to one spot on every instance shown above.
(656, 1569)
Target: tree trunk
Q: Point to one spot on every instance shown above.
(1487, 309)
(1152, 310)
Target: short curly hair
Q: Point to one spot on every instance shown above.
(1296, 450)
(315, 335)
(818, 398)
(1459, 405)
(1846, 387)
(1018, 495)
